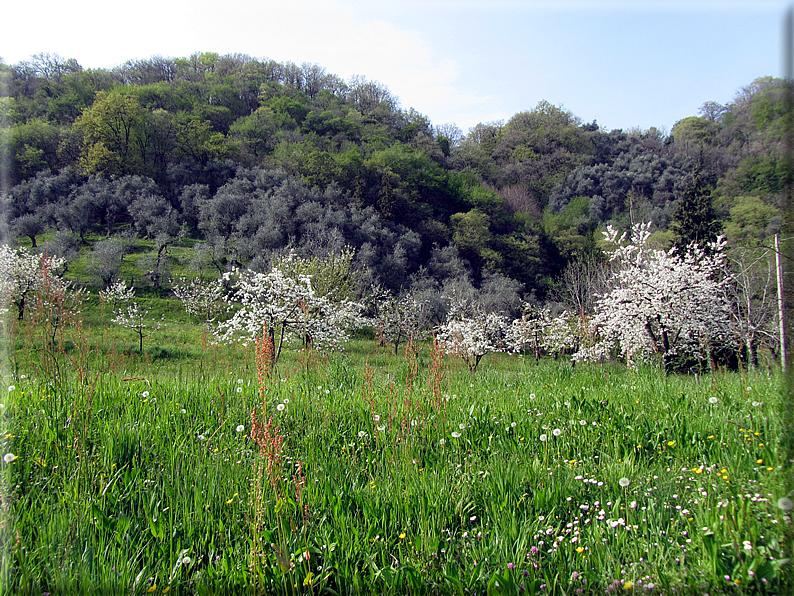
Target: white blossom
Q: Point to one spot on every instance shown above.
(130, 314)
(470, 333)
(537, 330)
(400, 319)
(288, 307)
(200, 298)
(661, 303)
(117, 293)
(21, 274)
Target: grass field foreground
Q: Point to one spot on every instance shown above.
(372, 473)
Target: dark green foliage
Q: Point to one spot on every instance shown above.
(252, 156)
(695, 221)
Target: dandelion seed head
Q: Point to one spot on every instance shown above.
(556, 432)
(9, 457)
(281, 407)
(713, 400)
(543, 438)
(785, 504)
(145, 394)
(456, 435)
(11, 387)
(624, 482)
(240, 428)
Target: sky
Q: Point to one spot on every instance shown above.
(625, 64)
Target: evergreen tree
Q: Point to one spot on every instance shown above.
(695, 220)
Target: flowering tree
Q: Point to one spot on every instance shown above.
(49, 307)
(563, 334)
(288, 307)
(400, 318)
(128, 313)
(117, 293)
(200, 298)
(21, 274)
(527, 333)
(470, 333)
(661, 303)
(539, 331)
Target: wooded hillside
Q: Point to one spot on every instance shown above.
(251, 156)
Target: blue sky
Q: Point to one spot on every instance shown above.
(626, 64)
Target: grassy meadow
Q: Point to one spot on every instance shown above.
(197, 469)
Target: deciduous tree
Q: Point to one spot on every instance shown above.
(661, 303)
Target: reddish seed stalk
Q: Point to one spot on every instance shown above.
(265, 355)
(271, 445)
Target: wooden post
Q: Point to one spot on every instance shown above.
(780, 304)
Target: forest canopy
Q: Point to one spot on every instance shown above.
(250, 157)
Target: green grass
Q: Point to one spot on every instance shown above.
(130, 476)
